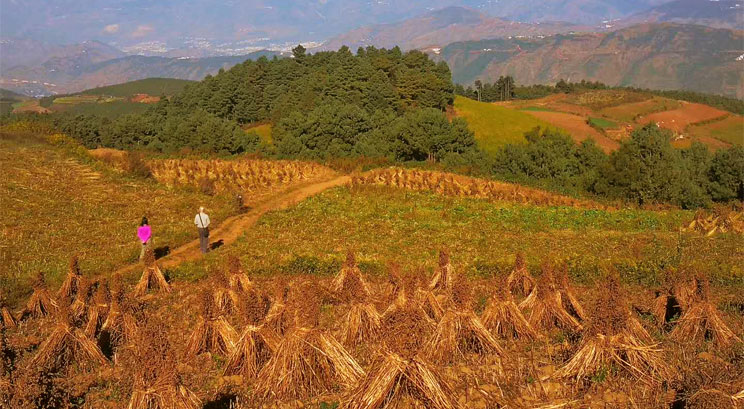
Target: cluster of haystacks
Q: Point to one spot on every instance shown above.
(67, 344)
(152, 278)
(311, 340)
(612, 340)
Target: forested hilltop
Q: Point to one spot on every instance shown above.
(328, 104)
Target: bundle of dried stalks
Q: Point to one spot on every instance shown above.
(458, 336)
(41, 303)
(253, 305)
(349, 284)
(156, 384)
(444, 275)
(393, 380)
(212, 333)
(405, 326)
(226, 300)
(503, 318)
(152, 277)
(569, 301)
(6, 317)
(70, 285)
(675, 292)
(239, 280)
(98, 312)
(702, 321)
(66, 345)
(252, 352)
(120, 324)
(545, 307)
(519, 281)
(433, 304)
(307, 363)
(610, 342)
(80, 306)
(361, 324)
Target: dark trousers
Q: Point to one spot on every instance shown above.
(204, 239)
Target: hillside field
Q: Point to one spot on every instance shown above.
(495, 126)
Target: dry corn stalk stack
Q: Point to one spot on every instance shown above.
(362, 323)
(66, 345)
(98, 312)
(213, 333)
(120, 325)
(70, 285)
(702, 321)
(394, 382)
(711, 224)
(462, 186)
(152, 277)
(226, 300)
(239, 280)
(519, 281)
(405, 326)
(156, 384)
(349, 284)
(458, 336)
(252, 352)
(228, 176)
(307, 363)
(503, 318)
(610, 342)
(545, 307)
(80, 305)
(41, 303)
(568, 298)
(444, 276)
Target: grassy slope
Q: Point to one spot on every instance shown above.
(495, 126)
(151, 86)
(385, 224)
(111, 109)
(730, 129)
(55, 205)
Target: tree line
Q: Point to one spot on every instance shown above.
(505, 89)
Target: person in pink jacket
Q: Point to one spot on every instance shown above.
(144, 233)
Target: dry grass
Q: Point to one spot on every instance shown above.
(394, 381)
(519, 281)
(349, 284)
(41, 303)
(307, 363)
(70, 285)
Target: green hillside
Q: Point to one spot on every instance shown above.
(494, 125)
(150, 86)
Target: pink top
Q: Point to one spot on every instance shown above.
(144, 233)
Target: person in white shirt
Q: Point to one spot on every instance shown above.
(201, 220)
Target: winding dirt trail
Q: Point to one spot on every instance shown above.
(233, 227)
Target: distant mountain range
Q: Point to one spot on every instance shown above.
(712, 13)
(658, 56)
(63, 75)
(442, 27)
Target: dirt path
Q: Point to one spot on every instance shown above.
(234, 226)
